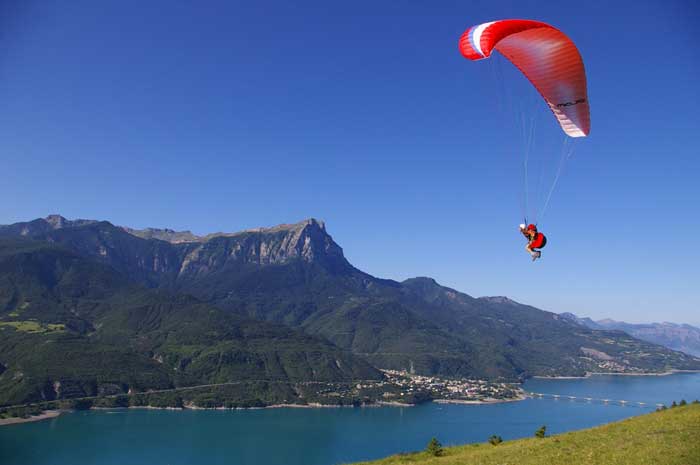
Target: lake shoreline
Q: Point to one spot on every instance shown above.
(49, 414)
(480, 402)
(277, 434)
(45, 415)
(589, 375)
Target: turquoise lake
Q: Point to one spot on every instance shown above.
(324, 436)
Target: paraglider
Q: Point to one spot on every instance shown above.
(535, 240)
(553, 65)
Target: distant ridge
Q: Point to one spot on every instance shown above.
(177, 237)
(168, 235)
(681, 337)
(56, 221)
(50, 223)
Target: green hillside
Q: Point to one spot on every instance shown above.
(669, 437)
(296, 275)
(71, 327)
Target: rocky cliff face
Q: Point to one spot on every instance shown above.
(163, 255)
(306, 241)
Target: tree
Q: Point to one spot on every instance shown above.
(674, 404)
(495, 440)
(435, 448)
(540, 433)
(683, 402)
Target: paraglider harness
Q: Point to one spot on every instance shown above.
(538, 240)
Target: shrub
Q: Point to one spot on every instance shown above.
(495, 440)
(434, 448)
(541, 432)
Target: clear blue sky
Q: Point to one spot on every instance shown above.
(215, 116)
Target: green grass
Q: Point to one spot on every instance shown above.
(30, 326)
(668, 437)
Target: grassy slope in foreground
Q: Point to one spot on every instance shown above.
(670, 437)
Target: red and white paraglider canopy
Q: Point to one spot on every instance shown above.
(546, 56)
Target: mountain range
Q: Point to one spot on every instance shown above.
(681, 337)
(87, 307)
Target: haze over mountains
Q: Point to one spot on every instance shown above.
(681, 337)
(86, 306)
